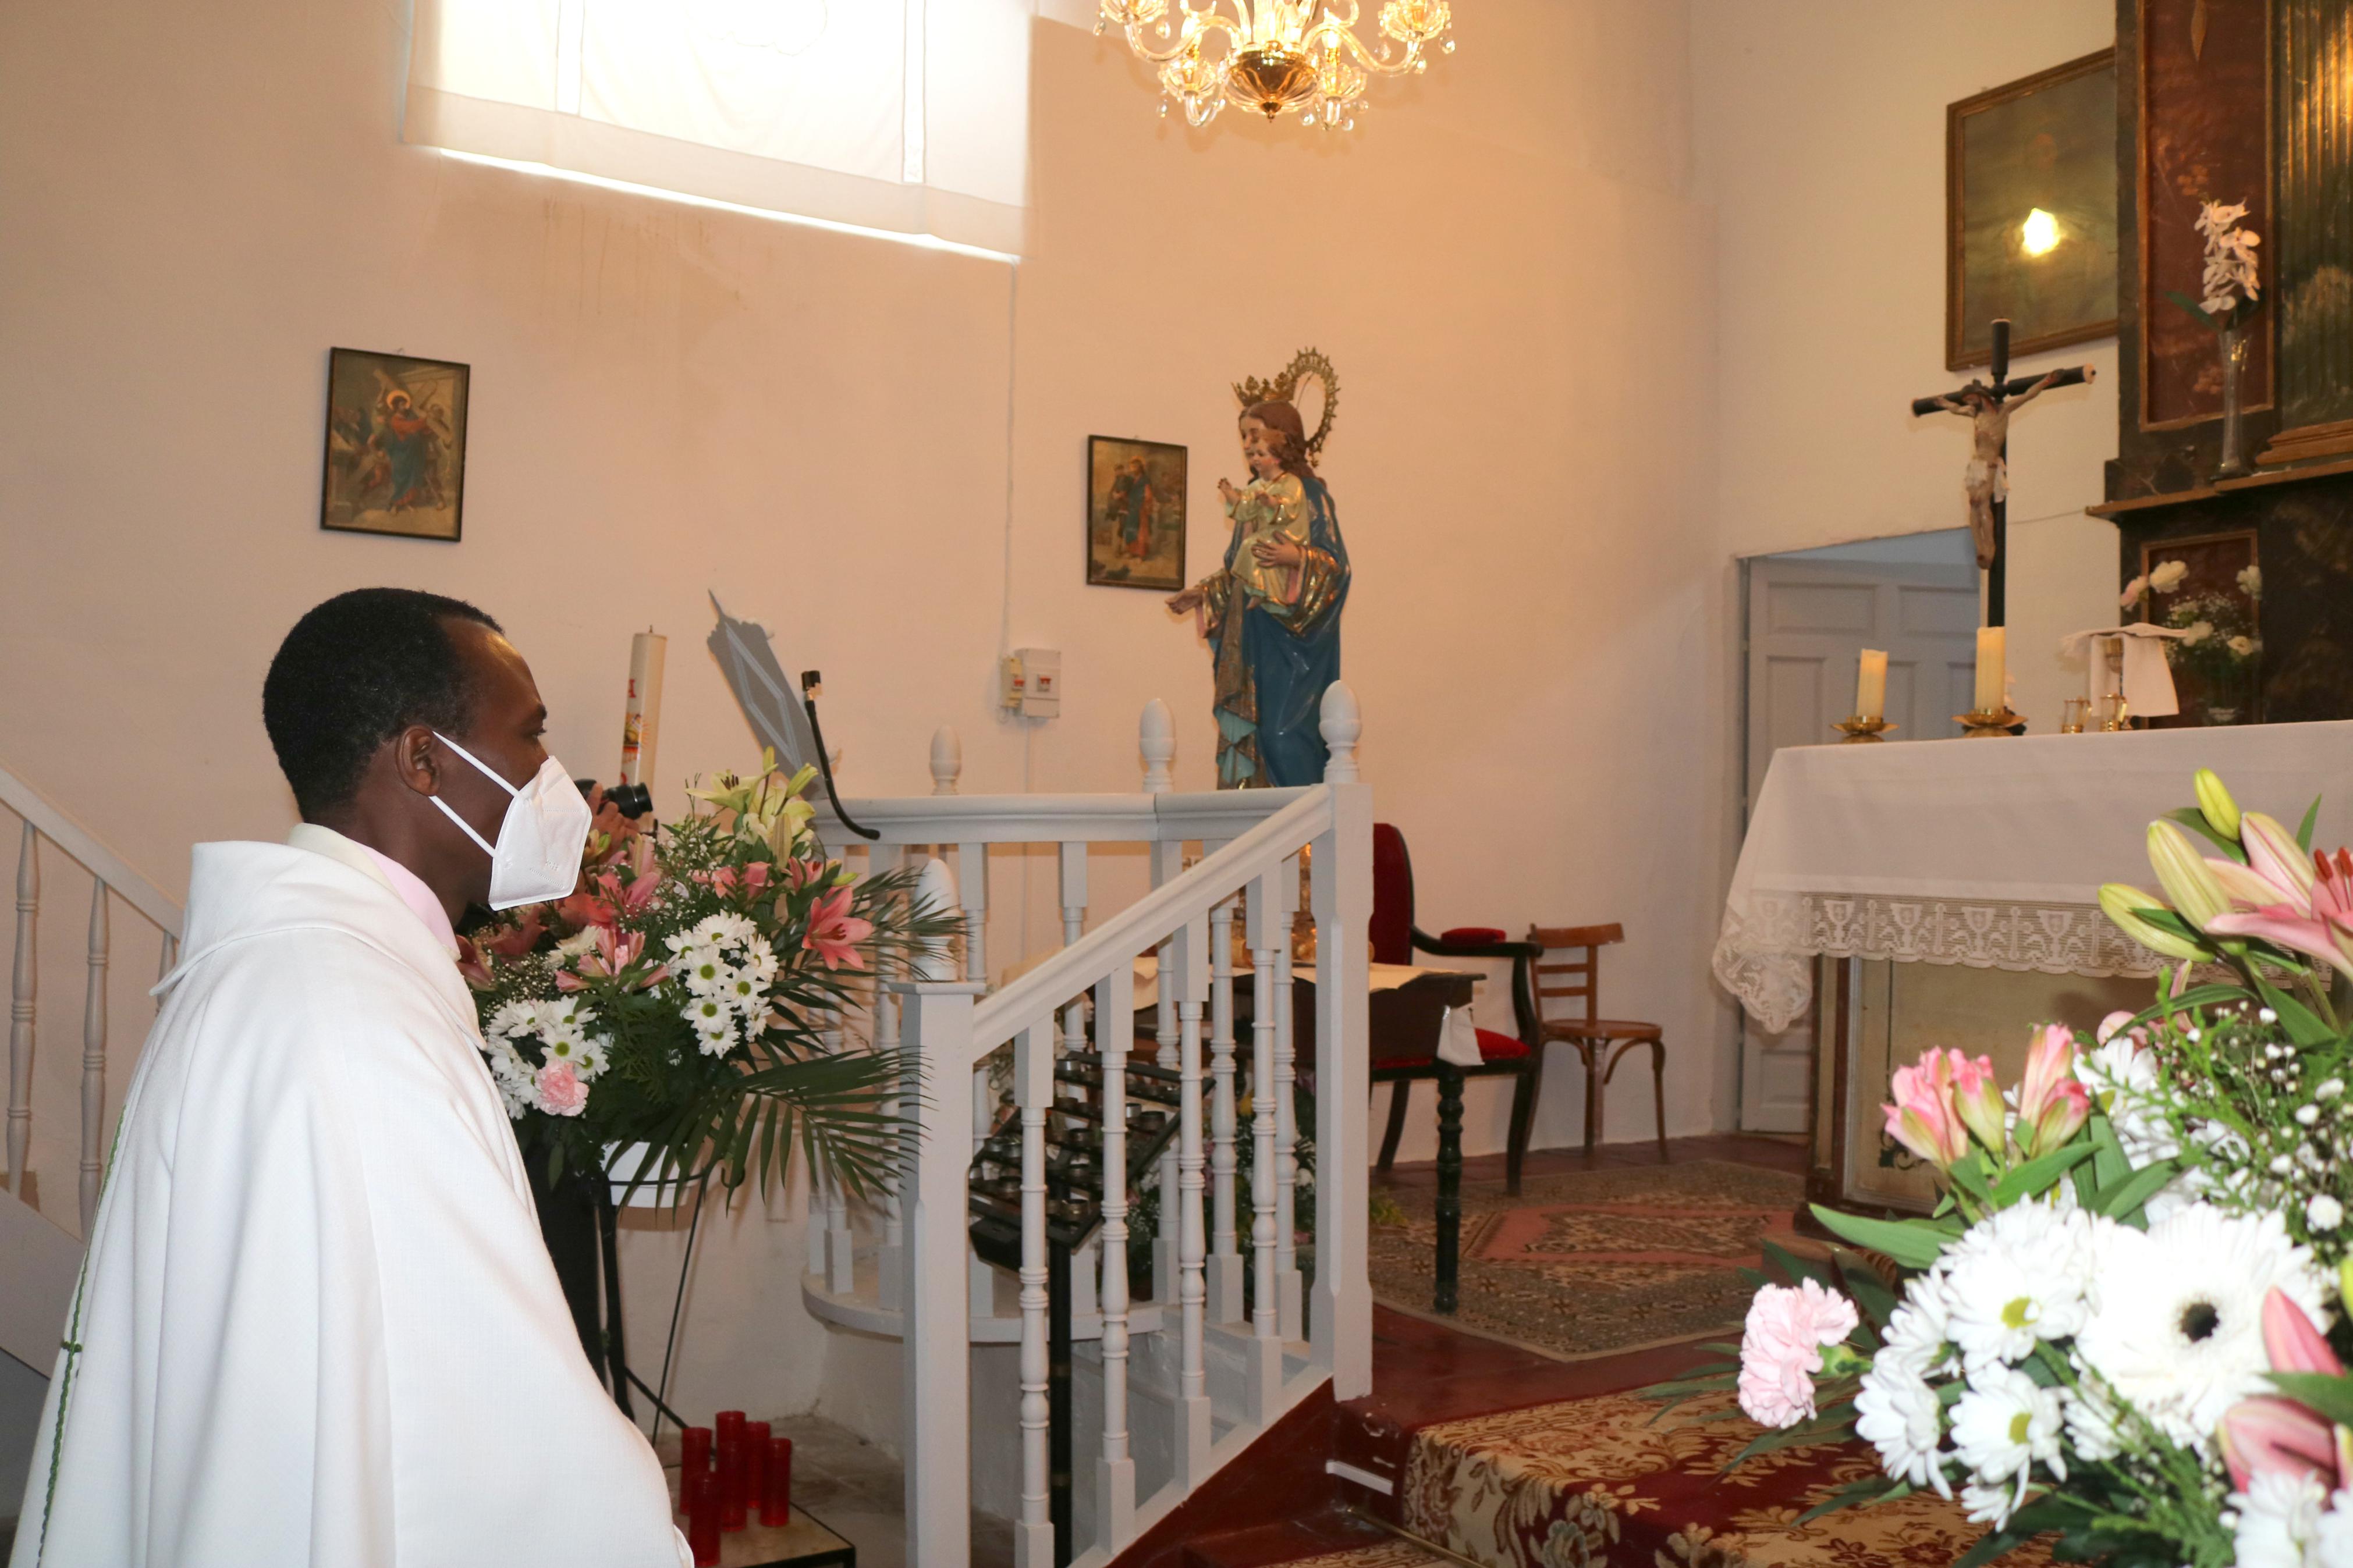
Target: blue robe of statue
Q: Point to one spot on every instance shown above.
(1274, 661)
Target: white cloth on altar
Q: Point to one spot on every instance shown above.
(2147, 676)
(1989, 853)
(317, 1323)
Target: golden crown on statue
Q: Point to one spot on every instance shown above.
(1284, 388)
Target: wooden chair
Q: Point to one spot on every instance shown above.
(1395, 940)
(1602, 1042)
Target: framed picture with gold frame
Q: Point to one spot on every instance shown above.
(1135, 514)
(2030, 212)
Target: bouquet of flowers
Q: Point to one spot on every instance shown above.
(688, 996)
(2230, 285)
(2123, 1321)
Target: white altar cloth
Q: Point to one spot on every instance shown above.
(1987, 852)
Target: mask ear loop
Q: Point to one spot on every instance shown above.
(463, 826)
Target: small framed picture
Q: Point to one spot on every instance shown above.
(1135, 514)
(396, 460)
(2030, 212)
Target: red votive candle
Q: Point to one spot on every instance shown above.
(756, 1463)
(702, 1518)
(730, 1426)
(730, 1476)
(693, 1451)
(777, 1485)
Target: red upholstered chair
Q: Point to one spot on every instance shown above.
(1395, 940)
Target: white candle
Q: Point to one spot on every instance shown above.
(641, 718)
(1990, 682)
(1870, 685)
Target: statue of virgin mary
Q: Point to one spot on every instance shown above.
(1271, 612)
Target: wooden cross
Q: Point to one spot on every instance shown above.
(1988, 482)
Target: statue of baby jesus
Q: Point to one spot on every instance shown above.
(1273, 507)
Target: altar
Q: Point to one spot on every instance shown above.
(1946, 893)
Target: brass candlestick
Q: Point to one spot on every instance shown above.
(1979, 723)
(1859, 730)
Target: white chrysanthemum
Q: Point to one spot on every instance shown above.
(2092, 1418)
(2004, 1423)
(1915, 1338)
(2123, 1082)
(513, 1076)
(1897, 1413)
(2279, 1519)
(583, 940)
(2333, 1540)
(1990, 1505)
(566, 1017)
(514, 1020)
(2176, 1328)
(727, 931)
(2018, 1275)
(591, 1057)
(703, 968)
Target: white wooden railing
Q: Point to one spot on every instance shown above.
(110, 877)
(1212, 1380)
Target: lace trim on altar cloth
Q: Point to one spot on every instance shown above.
(1766, 956)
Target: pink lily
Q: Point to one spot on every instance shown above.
(613, 953)
(2271, 1433)
(2310, 913)
(800, 872)
(2051, 1101)
(834, 932)
(471, 967)
(1923, 1117)
(2292, 1340)
(2268, 1433)
(1976, 1097)
(514, 941)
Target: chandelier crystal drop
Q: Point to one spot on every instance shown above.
(1275, 56)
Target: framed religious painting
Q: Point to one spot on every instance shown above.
(2030, 212)
(2211, 589)
(395, 458)
(1135, 514)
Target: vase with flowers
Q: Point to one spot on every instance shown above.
(2232, 294)
(2124, 1326)
(679, 1017)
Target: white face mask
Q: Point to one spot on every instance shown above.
(539, 839)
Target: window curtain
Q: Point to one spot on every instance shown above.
(905, 115)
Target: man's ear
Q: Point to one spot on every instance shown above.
(415, 761)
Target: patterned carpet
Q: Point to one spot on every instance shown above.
(1392, 1554)
(1595, 1262)
(1595, 1483)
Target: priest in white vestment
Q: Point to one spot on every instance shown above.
(317, 1325)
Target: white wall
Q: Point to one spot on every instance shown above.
(1506, 262)
(1821, 138)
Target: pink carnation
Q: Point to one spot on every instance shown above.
(561, 1093)
(1780, 1350)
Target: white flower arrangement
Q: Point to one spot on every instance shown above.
(2117, 1323)
(2230, 278)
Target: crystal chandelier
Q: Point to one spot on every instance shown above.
(1276, 55)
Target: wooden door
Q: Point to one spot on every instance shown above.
(1808, 622)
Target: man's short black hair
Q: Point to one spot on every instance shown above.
(354, 673)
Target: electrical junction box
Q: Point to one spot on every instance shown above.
(1033, 683)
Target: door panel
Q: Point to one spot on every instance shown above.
(1809, 623)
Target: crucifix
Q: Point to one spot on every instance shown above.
(1988, 405)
